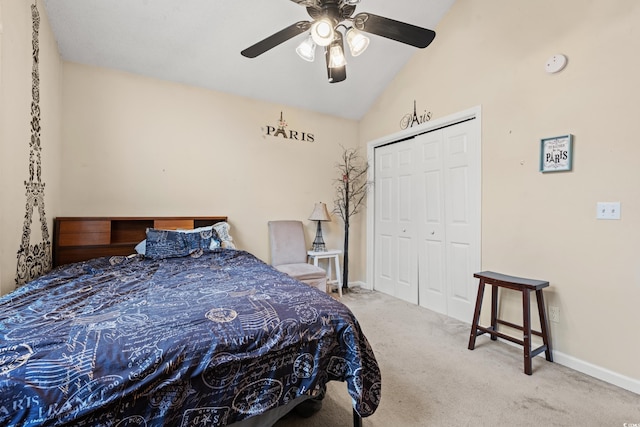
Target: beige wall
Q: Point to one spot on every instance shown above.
(15, 116)
(138, 146)
(492, 53)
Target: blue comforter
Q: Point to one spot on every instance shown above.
(178, 342)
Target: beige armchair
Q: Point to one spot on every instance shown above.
(289, 253)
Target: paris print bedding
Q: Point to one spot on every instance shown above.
(207, 341)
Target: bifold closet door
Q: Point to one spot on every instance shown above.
(448, 189)
(427, 219)
(396, 257)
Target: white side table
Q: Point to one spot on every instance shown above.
(331, 255)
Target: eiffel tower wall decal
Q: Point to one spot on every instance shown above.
(34, 259)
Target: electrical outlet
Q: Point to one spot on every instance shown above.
(554, 313)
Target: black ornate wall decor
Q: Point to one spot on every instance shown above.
(34, 260)
(409, 120)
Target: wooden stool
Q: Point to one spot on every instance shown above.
(518, 284)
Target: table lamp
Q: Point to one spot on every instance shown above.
(319, 214)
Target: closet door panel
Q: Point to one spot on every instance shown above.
(396, 264)
(385, 242)
(459, 255)
(462, 183)
(431, 219)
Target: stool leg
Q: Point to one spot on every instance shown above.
(476, 316)
(494, 311)
(544, 325)
(526, 320)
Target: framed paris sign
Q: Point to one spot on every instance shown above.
(556, 153)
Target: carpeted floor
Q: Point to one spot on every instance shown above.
(430, 378)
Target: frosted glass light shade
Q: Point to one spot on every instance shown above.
(322, 32)
(336, 56)
(357, 41)
(307, 49)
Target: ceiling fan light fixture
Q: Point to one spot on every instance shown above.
(307, 49)
(357, 41)
(336, 56)
(322, 32)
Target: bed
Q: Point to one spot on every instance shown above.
(213, 337)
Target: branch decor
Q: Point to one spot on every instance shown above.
(351, 192)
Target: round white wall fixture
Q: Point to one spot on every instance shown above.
(556, 63)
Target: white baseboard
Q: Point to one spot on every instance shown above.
(587, 368)
(598, 372)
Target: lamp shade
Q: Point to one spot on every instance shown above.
(320, 213)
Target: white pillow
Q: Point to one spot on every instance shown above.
(222, 228)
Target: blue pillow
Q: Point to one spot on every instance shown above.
(205, 231)
(162, 244)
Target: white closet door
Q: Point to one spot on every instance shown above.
(396, 270)
(449, 190)
(427, 219)
(462, 215)
(432, 253)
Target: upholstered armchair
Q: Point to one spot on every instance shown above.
(289, 253)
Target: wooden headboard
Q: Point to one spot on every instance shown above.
(82, 238)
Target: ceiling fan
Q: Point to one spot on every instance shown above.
(328, 16)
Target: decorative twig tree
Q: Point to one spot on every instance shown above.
(351, 190)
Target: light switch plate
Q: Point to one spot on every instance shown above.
(608, 210)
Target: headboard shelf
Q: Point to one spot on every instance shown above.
(81, 238)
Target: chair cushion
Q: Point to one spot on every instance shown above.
(302, 271)
(287, 242)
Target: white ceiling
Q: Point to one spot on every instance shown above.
(198, 42)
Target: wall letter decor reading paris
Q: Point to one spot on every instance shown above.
(34, 260)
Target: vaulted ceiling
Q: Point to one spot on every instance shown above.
(198, 43)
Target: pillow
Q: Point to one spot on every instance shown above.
(141, 247)
(222, 229)
(215, 239)
(162, 244)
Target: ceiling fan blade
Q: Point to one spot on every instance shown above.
(276, 39)
(336, 74)
(394, 30)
